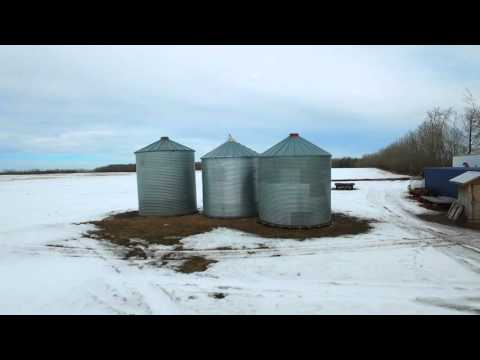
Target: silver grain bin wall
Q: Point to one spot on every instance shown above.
(166, 179)
(294, 184)
(228, 174)
(255, 180)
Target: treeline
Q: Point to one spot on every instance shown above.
(107, 168)
(345, 162)
(443, 134)
(117, 168)
(130, 168)
(40, 172)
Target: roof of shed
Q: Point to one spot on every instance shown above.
(164, 144)
(294, 145)
(230, 149)
(466, 177)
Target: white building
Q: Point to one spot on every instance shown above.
(469, 160)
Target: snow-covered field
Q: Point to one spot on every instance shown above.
(362, 173)
(404, 266)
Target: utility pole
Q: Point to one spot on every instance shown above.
(470, 135)
(472, 115)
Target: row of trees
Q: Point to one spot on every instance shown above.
(443, 134)
(130, 168)
(345, 162)
(117, 168)
(42, 172)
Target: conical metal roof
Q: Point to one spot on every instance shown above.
(294, 145)
(164, 144)
(230, 149)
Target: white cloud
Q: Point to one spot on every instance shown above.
(118, 98)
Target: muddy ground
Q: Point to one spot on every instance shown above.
(122, 228)
(134, 233)
(441, 218)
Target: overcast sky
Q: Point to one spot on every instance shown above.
(85, 106)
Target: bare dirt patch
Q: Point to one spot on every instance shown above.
(218, 295)
(195, 264)
(441, 218)
(122, 228)
(134, 234)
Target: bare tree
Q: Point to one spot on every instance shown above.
(433, 143)
(455, 140)
(471, 120)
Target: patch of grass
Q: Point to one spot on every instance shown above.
(441, 218)
(224, 248)
(262, 246)
(195, 264)
(120, 228)
(136, 252)
(218, 295)
(129, 229)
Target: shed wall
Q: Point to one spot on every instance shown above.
(476, 201)
(469, 197)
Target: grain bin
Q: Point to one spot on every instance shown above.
(166, 179)
(228, 174)
(294, 184)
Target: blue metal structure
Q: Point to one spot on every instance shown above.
(437, 179)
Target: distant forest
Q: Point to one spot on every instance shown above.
(443, 134)
(107, 168)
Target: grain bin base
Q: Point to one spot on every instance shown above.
(170, 216)
(228, 217)
(292, 227)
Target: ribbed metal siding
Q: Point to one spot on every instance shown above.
(295, 191)
(229, 187)
(166, 183)
(255, 181)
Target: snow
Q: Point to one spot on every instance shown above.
(403, 266)
(362, 173)
(417, 184)
(466, 177)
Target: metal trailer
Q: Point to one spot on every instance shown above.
(437, 179)
(294, 184)
(228, 174)
(166, 179)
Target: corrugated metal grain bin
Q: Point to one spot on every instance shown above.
(228, 174)
(294, 184)
(437, 179)
(166, 179)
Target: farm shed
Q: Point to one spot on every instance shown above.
(228, 174)
(466, 160)
(294, 184)
(166, 179)
(437, 180)
(469, 193)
